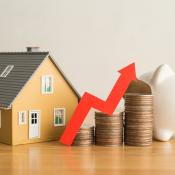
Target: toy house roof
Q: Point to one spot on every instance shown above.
(24, 65)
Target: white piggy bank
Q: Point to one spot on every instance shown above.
(162, 82)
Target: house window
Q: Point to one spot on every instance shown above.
(22, 118)
(47, 84)
(59, 116)
(7, 70)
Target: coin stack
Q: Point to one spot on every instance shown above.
(84, 137)
(138, 119)
(108, 129)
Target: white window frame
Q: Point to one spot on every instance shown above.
(6, 71)
(64, 116)
(43, 78)
(20, 119)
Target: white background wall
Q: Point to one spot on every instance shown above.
(92, 39)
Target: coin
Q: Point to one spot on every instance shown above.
(84, 137)
(138, 119)
(108, 129)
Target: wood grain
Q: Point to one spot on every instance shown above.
(53, 158)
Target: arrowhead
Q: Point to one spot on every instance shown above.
(129, 71)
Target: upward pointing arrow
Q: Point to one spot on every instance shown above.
(89, 101)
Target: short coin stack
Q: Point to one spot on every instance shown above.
(108, 129)
(84, 137)
(138, 119)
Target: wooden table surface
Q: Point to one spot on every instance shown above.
(53, 158)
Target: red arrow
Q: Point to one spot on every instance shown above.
(89, 101)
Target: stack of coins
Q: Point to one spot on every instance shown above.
(138, 119)
(84, 137)
(108, 129)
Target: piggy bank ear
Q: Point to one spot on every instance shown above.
(161, 73)
(146, 77)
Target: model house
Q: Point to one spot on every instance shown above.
(36, 99)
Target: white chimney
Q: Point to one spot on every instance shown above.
(32, 49)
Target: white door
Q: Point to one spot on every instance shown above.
(34, 124)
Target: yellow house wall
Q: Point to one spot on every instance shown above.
(31, 98)
(6, 126)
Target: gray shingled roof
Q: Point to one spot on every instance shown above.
(25, 64)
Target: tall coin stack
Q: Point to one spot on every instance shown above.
(108, 129)
(84, 137)
(138, 119)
